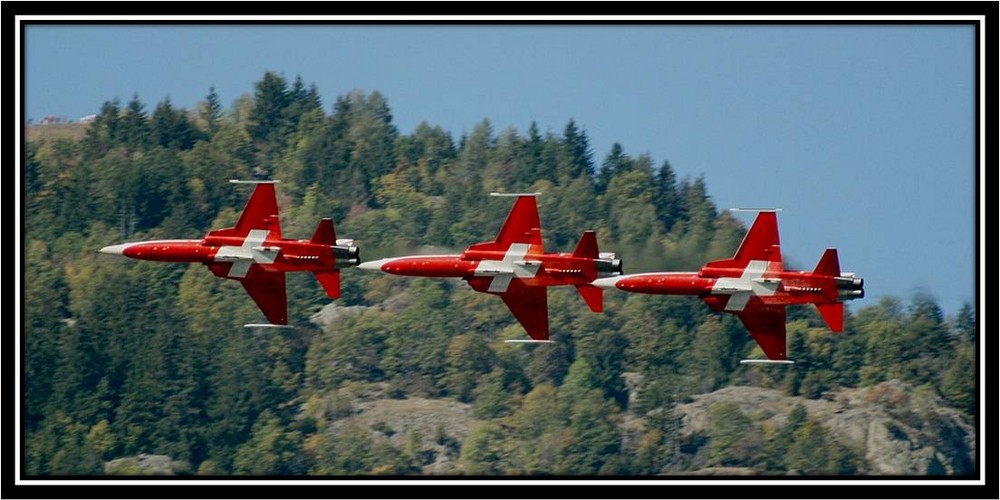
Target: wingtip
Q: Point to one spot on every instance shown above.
(253, 181)
(496, 193)
(754, 209)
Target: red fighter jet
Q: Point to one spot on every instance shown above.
(516, 268)
(756, 287)
(254, 253)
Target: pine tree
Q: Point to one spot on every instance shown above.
(965, 324)
(576, 158)
(210, 112)
(172, 129)
(668, 203)
(593, 439)
(528, 165)
(268, 120)
(616, 162)
(135, 127)
(104, 132)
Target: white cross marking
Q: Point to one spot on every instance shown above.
(245, 255)
(750, 283)
(512, 266)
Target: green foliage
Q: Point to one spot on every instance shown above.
(271, 450)
(492, 399)
(61, 447)
(269, 116)
(575, 158)
(348, 451)
(124, 357)
(536, 432)
(481, 450)
(712, 356)
(351, 351)
(592, 439)
(172, 129)
(734, 439)
(958, 382)
(468, 357)
(814, 452)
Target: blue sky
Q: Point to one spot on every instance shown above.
(863, 135)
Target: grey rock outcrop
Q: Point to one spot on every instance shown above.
(903, 431)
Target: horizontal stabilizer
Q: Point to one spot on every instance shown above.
(265, 325)
(330, 281)
(593, 296)
(833, 314)
(526, 341)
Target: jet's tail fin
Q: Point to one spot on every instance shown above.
(260, 213)
(833, 315)
(521, 226)
(325, 233)
(833, 312)
(330, 281)
(587, 247)
(760, 244)
(593, 296)
(829, 264)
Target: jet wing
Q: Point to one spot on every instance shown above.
(767, 326)
(761, 243)
(529, 304)
(521, 226)
(260, 212)
(267, 289)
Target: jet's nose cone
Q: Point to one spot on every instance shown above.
(373, 265)
(607, 282)
(115, 249)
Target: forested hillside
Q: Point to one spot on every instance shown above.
(410, 376)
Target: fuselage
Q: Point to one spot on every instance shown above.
(532, 269)
(272, 255)
(770, 287)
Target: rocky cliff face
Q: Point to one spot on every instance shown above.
(145, 465)
(904, 431)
